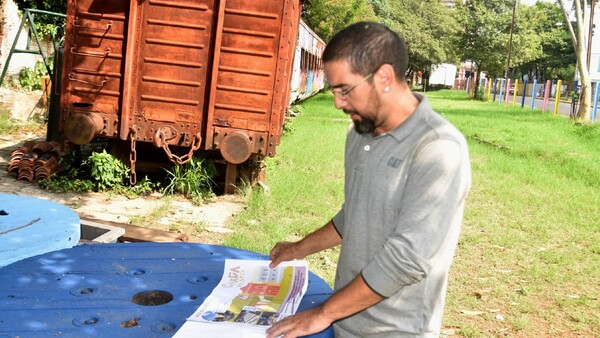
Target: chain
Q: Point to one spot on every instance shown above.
(177, 159)
(180, 159)
(133, 157)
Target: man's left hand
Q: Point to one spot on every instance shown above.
(302, 324)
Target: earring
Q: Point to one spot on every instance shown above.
(386, 89)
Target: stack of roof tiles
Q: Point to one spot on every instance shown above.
(35, 160)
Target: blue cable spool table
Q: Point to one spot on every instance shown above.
(119, 289)
(31, 226)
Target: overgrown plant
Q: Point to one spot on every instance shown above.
(83, 171)
(31, 79)
(143, 187)
(107, 171)
(194, 180)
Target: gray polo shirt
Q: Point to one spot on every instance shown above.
(404, 197)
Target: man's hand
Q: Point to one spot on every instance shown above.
(321, 239)
(351, 299)
(302, 324)
(283, 252)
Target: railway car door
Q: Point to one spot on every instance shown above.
(93, 69)
(251, 77)
(169, 54)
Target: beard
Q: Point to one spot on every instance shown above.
(366, 126)
(367, 123)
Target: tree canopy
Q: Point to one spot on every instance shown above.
(429, 29)
(557, 59)
(46, 25)
(486, 35)
(327, 17)
(427, 26)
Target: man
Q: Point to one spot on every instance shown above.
(407, 176)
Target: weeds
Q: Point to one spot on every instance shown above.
(84, 170)
(106, 171)
(194, 180)
(30, 79)
(87, 170)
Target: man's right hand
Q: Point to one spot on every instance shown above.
(283, 252)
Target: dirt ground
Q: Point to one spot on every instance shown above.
(204, 223)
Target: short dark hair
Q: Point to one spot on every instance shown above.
(367, 46)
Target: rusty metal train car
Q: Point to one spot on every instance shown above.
(180, 77)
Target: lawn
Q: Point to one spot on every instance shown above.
(528, 262)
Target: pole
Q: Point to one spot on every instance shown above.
(524, 92)
(500, 98)
(510, 43)
(533, 93)
(495, 89)
(515, 93)
(590, 33)
(557, 101)
(595, 109)
(468, 84)
(546, 93)
(507, 90)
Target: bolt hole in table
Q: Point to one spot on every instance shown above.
(119, 289)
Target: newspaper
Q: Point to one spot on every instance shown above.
(249, 298)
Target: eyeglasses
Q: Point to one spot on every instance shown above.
(343, 93)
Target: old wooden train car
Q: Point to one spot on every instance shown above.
(308, 74)
(184, 76)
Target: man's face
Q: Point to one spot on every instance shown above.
(361, 103)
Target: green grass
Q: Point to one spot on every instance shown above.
(305, 181)
(531, 234)
(529, 252)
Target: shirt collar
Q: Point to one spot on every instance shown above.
(413, 121)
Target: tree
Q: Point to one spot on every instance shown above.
(579, 43)
(57, 6)
(428, 27)
(486, 35)
(327, 17)
(527, 43)
(46, 25)
(558, 55)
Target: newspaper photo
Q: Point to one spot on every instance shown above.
(250, 297)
